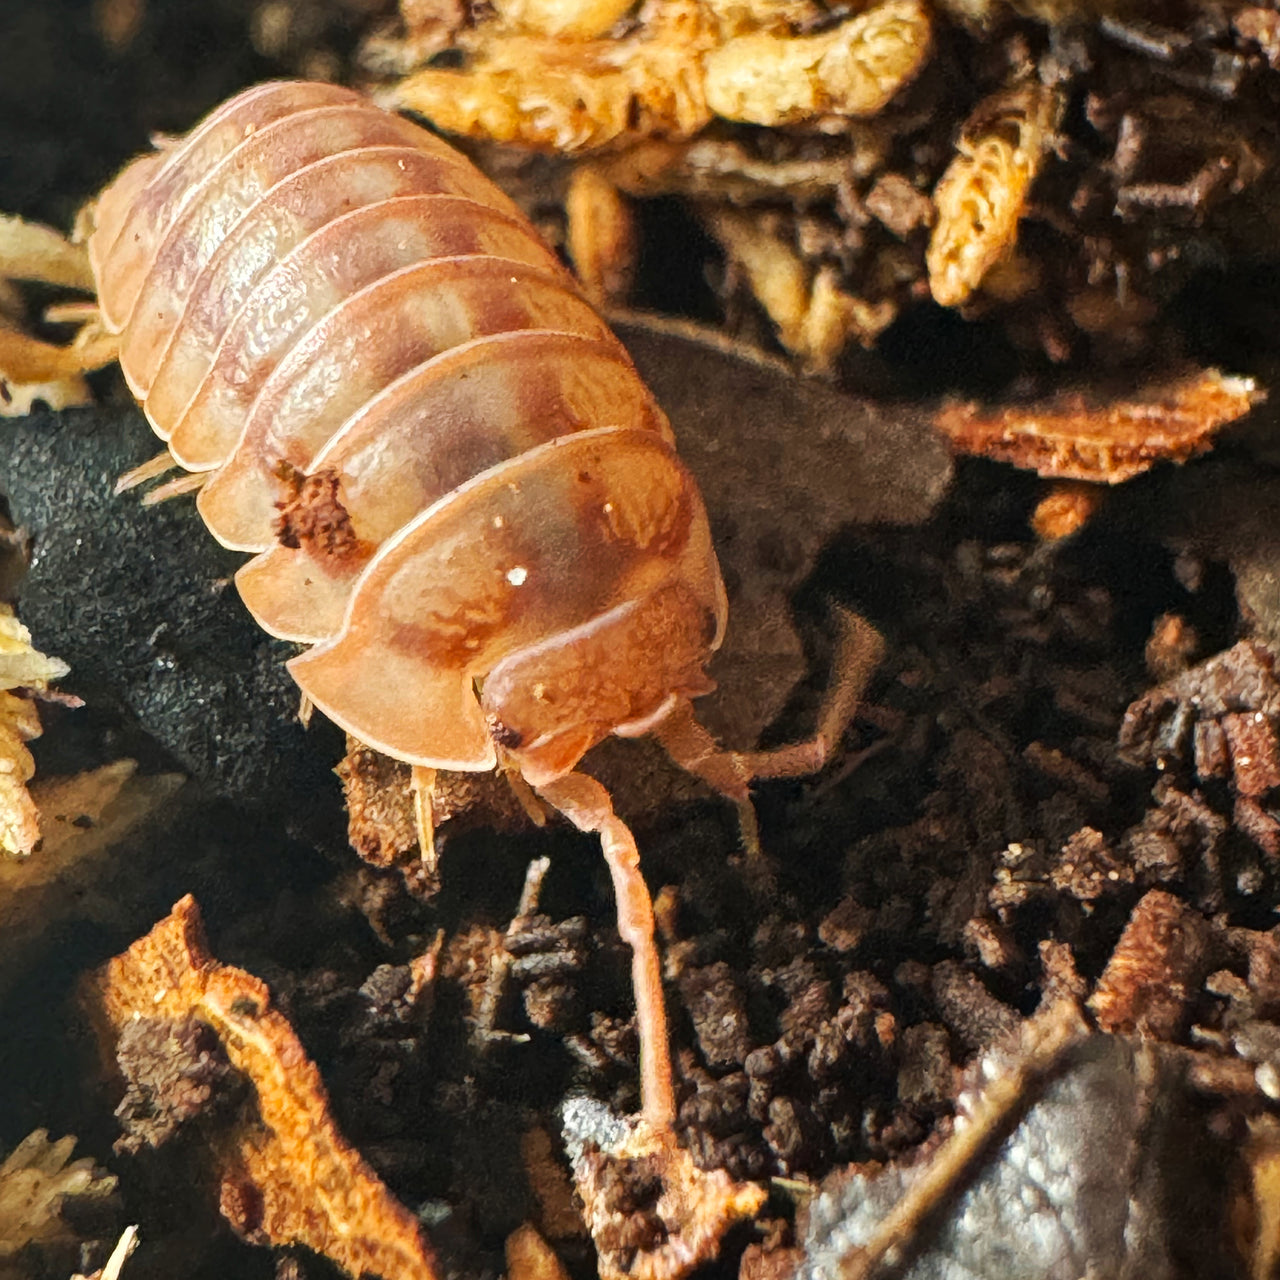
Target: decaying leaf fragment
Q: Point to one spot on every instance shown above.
(21, 667)
(1078, 437)
(1070, 1155)
(288, 1176)
(983, 193)
(652, 1213)
(36, 1179)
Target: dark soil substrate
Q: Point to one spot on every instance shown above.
(1010, 667)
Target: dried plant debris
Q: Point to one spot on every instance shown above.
(287, 1175)
(652, 1213)
(1079, 437)
(1217, 720)
(38, 1179)
(681, 65)
(982, 196)
(1074, 164)
(24, 674)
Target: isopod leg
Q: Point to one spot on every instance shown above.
(587, 805)
(188, 482)
(859, 648)
(423, 784)
(152, 469)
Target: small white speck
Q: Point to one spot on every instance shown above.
(400, 164)
(498, 522)
(608, 508)
(1268, 1080)
(1244, 760)
(517, 575)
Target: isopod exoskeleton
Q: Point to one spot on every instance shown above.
(455, 484)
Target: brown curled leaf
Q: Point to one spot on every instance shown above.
(1079, 437)
(983, 194)
(288, 1175)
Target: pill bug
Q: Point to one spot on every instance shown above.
(456, 488)
(322, 305)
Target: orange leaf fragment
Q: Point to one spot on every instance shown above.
(1078, 437)
(288, 1175)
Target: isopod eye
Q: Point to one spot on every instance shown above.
(503, 734)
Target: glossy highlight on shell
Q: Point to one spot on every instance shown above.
(454, 483)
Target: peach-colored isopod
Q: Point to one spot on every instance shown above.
(455, 484)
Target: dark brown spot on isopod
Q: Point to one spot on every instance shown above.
(312, 516)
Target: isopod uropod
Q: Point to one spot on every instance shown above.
(455, 485)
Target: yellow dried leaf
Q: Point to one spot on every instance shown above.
(777, 277)
(36, 1179)
(29, 251)
(31, 370)
(572, 95)
(304, 1183)
(735, 17)
(21, 666)
(983, 193)
(853, 69)
(19, 818)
